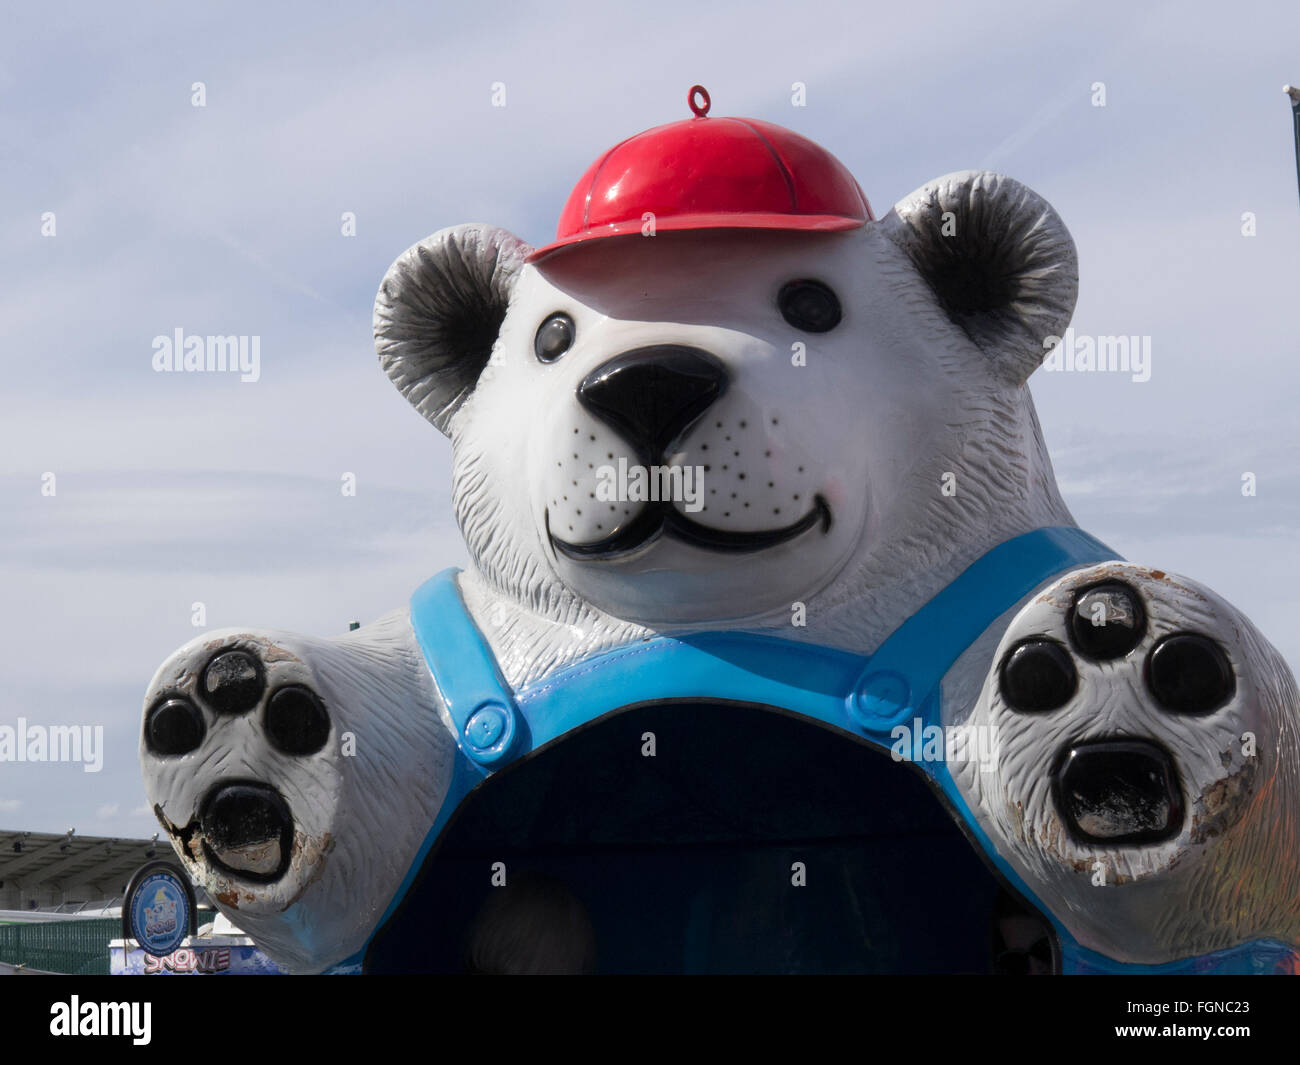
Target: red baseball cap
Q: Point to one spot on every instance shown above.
(711, 173)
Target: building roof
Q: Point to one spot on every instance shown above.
(102, 864)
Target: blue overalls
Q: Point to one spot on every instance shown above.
(863, 696)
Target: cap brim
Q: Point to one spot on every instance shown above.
(801, 223)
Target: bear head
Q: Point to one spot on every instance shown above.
(844, 411)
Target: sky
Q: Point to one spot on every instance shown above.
(172, 489)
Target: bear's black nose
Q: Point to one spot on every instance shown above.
(651, 395)
(1118, 791)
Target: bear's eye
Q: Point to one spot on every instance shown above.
(554, 337)
(809, 306)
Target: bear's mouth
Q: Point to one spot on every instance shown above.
(662, 519)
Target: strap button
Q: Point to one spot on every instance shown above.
(881, 700)
(488, 732)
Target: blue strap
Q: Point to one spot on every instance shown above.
(477, 697)
(736, 667)
(495, 725)
(902, 679)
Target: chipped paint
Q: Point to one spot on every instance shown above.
(1223, 801)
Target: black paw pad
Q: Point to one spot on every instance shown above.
(173, 726)
(232, 682)
(1107, 620)
(247, 830)
(1190, 674)
(1037, 675)
(1118, 791)
(296, 721)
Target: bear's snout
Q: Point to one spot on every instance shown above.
(652, 395)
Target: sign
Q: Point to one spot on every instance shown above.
(158, 910)
(200, 956)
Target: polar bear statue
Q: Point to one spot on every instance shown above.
(734, 445)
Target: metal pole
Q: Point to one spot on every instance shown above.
(1294, 92)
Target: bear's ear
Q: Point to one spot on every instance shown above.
(439, 311)
(999, 259)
